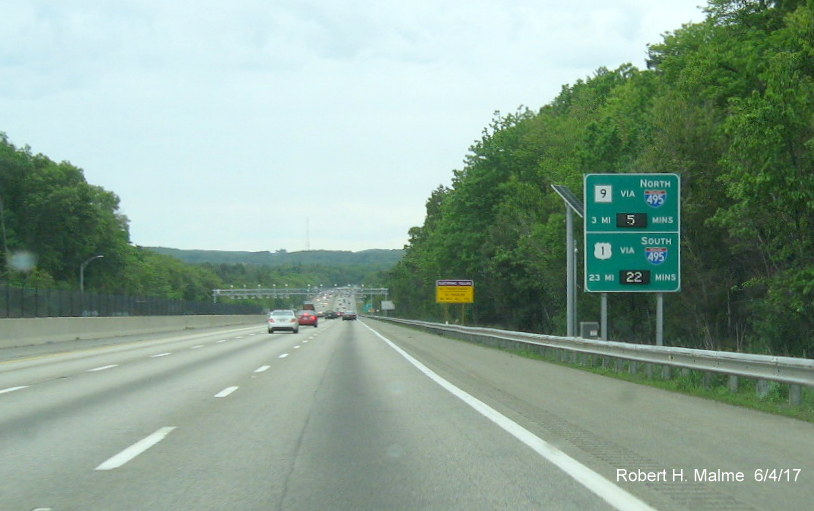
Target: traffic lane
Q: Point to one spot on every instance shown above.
(614, 425)
(70, 381)
(57, 432)
(343, 423)
(231, 453)
(65, 360)
(77, 383)
(381, 435)
(34, 351)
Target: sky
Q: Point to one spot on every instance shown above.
(255, 125)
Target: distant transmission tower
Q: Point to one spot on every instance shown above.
(307, 234)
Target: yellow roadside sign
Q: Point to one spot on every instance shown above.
(454, 291)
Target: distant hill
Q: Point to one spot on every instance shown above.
(374, 259)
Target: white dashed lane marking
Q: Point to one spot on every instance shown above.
(12, 389)
(225, 392)
(135, 449)
(103, 368)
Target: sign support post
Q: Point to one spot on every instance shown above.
(570, 267)
(659, 319)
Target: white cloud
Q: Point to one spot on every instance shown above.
(194, 111)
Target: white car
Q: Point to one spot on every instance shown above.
(283, 319)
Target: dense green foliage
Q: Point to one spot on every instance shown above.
(51, 212)
(292, 275)
(728, 104)
(364, 260)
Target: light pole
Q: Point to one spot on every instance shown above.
(82, 271)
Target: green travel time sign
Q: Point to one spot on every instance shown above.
(632, 233)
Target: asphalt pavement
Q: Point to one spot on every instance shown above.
(363, 415)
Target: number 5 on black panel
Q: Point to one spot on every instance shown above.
(631, 220)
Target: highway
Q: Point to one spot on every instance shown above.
(363, 415)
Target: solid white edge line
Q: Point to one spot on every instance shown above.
(593, 481)
(135, 449)
(103, 368)
(12, 389)
(225, 392)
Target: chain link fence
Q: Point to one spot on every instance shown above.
(21, 302)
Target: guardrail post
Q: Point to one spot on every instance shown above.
(666, 372)
(762, 388)
(733, 383)
(633, 367)
(795, 395)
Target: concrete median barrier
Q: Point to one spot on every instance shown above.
(16, 332)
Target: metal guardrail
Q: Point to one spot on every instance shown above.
(788, 370)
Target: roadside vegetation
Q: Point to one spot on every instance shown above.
(727, 103)
(699, 384)
(52, 220)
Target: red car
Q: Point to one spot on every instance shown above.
(306, 317)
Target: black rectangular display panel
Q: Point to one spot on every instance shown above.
(634, 277)
(631, 220)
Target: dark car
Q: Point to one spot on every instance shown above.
(348, 315)
(331, 315)
(308, 317)
(283, 319)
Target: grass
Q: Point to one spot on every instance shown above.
(774, 400)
